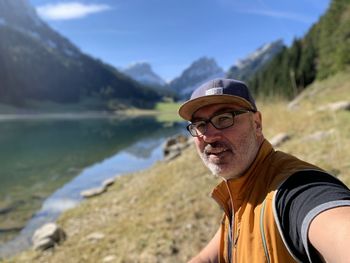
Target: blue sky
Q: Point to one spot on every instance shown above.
(171, 34)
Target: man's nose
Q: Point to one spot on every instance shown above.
(211, 134)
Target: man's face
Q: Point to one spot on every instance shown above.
(229, 152)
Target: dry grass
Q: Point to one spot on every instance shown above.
(158, 215)
(331, 152)
(164, 214)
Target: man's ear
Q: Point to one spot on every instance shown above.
(258, 123)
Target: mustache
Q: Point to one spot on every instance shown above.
(215, 146)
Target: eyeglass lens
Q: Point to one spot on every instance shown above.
(220, 121)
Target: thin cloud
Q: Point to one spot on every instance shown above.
(280, 15)
(260, 7)
(69, 10)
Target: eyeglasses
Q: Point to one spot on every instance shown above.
(220, 122)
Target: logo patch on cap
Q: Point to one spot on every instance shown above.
(215, 91)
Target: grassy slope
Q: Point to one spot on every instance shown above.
(164, 214)
(164, 112)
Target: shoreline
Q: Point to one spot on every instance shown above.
(112, 218)
(164, 111)
(71, 115)
(65, 199)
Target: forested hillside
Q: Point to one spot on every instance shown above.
(38, 64)
(322, 52)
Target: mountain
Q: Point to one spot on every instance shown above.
(246, 67)
(197, 73)
(321, 53)
(37, 63)
(143, 73)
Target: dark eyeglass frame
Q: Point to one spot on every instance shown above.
(192, 127)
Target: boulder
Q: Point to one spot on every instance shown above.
(110, 258)
(93, 191)
(98, 190)
(172, 155)
(6, 209)
(294, 104)
(174, 146)
(279, 139)
(43, 244)
(336, 106)
(108, 182)
(96, 236)
(319, 135)
(48, 236)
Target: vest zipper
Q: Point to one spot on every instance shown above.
(262, 231)
(234, 228)
(235, 242)
(231, 238)
(237, 235)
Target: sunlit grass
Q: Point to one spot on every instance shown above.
(168, 107)
(167, 112)
(331, 152)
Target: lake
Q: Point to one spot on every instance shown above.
(46, 163)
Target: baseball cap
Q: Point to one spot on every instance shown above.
(218, 91)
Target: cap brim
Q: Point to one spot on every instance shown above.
(187, 109)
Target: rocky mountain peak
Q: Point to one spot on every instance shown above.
(263, 53)
(246, 67)
(197, 73)
(202, 66)
(143, 73)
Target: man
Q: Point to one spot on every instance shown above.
(277, 208)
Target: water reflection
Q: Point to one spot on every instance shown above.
(39, 156)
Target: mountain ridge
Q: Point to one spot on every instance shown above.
(323, 51)
(49, 67)
(245, 68)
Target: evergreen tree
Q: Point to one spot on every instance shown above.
(325, 50)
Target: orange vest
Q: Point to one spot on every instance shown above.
(248, 202)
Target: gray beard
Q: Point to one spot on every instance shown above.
(215, 169)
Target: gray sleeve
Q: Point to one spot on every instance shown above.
(299, 200)
(311, 215)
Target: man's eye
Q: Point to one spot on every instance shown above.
(223, 119)
(199, 125)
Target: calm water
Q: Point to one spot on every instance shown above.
(45, 164)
